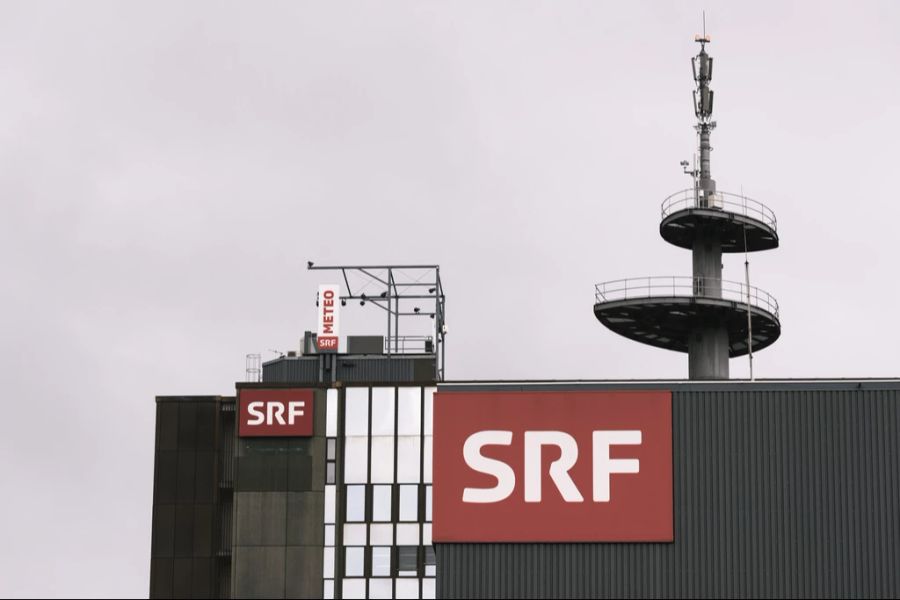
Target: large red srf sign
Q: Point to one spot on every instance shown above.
(275, 412)
(553, 466)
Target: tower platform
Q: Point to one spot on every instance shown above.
(664, 311)
(733, 216)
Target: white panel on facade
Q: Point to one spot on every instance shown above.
(356, 459)
(409, 503)
(409, 411)
(354, 562)
(426, 534)
(383, 411)
(328, 563)
(328, 589)
(380, 588)
(381, 503)
(330, 503)
(428, 588)
(381, 562)
(408, 465)
(429, 410)
(428, 503)
(427, 459)
(355, 534)
(381, 535)
(407, 587)
(331, 412)
(329, 535)
(383, 459)
(354, 588)
(356, 503)
(356, 419)
(408, 534)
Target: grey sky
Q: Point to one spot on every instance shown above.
(168, 168)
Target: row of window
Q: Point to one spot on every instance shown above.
(383, 588)
(386, 561)
(404, 411)
(376, 504)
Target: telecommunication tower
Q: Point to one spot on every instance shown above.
(709, 318)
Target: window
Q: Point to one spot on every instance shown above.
(356, 417)
(356, 460)
(329, 503)
(328, 563)
(381, 535)
(354, 588)
(381, 561)
(407, 561)
(408, 465)
(356, 503)
(408, 534)
(383, 459)
(353, 562)
(430, 561)
(383, 411)
(409, 411)
(331, 412)
(381, 503)
(409, 503)
(380, 588)
(355, 534)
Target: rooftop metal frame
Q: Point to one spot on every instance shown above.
(399, 290)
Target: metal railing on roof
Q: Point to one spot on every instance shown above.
(680, 286)
(725, 201)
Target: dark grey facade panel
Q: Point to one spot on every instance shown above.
(304, 369)
(278, 514)
(777, 493)
(185, 498)
(328, 368)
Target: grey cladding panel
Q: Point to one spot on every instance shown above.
(258, 572)
(778, 493)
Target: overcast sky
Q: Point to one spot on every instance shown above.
(168, 168)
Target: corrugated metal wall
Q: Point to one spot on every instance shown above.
(350, 369)
(787, 492)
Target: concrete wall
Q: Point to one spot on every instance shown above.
(279, 514)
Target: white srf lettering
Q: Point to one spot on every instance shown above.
(559, 468)
(295, 409)
(276, 413)
(506, 478)
(256, 413)
(604, 466)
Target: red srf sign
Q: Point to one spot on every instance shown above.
(553, 466)
(275, 412)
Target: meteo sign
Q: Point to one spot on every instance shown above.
(329, 310)
(553, 466)
(275, 412)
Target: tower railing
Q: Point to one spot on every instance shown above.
(725, 201)
(668, 286)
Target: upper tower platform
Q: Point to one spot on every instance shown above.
(743, 224)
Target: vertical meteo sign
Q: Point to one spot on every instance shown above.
(329, 303)
(553, 466)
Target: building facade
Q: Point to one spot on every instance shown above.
(778, 488)
(342, 513)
